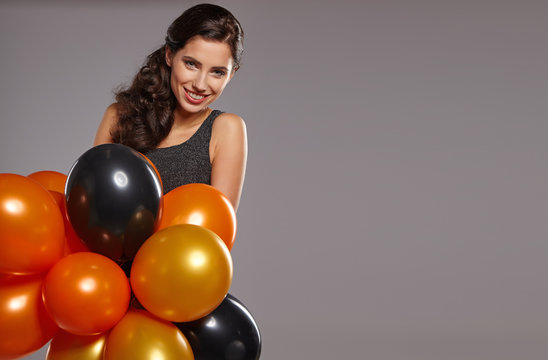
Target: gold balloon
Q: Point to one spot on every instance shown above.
(140, 335)
(67, 346)
(182, 273)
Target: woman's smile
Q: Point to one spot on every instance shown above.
(194, 97)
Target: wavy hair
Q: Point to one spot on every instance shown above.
(145, 108)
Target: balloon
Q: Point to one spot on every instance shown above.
(78, 207)
(181, 273)
(229, 333)
(51, 180)
(139, 335)
(86, 293)
(67, 346)
(203, 205)
(154, 167)
(141, 222)
(31, 226)
(110, 190)
(25, 326)
(106, 243)
(72, 242)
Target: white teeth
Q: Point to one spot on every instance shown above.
(195, 96)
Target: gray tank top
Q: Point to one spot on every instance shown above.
(187, 162)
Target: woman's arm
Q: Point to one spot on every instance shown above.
(110, 118)
(229, 149)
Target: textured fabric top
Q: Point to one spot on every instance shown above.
(187, 162)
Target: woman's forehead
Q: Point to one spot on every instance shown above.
(208, 52)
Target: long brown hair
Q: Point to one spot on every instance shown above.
(145, 108)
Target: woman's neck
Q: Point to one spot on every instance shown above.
(185, 119)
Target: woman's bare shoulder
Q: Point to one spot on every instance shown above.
(228, 122)
(109, 121)
(112, 110)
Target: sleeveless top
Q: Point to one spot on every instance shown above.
(187, 162)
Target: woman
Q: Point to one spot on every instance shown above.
(165, 113)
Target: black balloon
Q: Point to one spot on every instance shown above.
(114, 200)
(227, 333)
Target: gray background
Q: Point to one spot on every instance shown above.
(396, 196)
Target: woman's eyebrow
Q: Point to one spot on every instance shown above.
(192, 59)
(220, 68)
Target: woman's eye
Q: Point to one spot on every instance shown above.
(219, 73)
(190, 64)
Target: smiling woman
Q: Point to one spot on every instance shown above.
(166, 112)
(199, 72)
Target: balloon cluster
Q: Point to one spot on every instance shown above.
(65, 241)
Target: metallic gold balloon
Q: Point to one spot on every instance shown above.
(182, 273)
(67, 346)
(140, 335)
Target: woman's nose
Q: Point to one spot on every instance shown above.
(199, 83)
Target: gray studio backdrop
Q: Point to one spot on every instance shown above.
(396, 197)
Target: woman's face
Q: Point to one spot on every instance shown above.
(199, 72)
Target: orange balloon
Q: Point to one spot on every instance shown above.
(202, 205)
(86, 293)
(51, 180)
(72, 242)
(31, 226)
(139, 335)
(67, 346)
(182, 273)
(25, 326)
